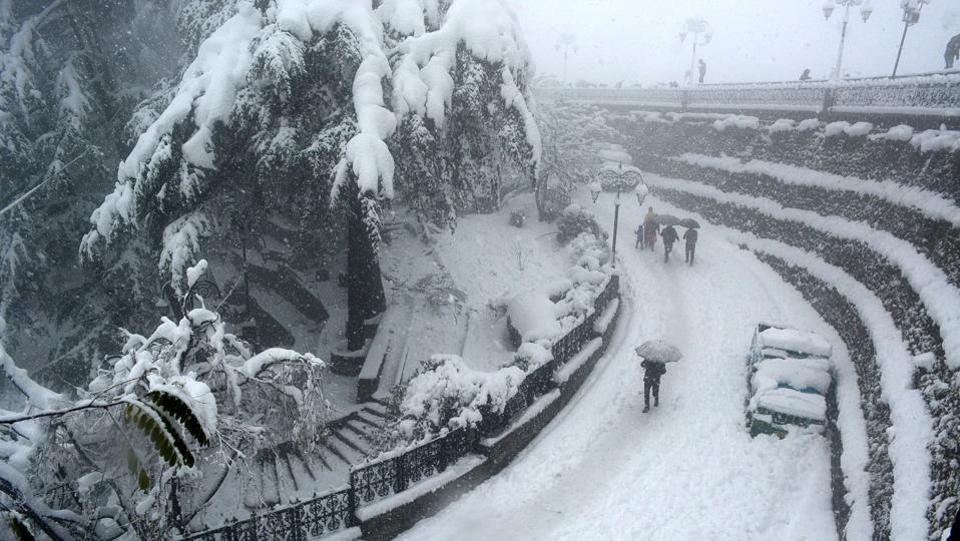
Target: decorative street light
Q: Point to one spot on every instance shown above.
(619, 178)
(566, 42)
(911, 16)
(866, 9)
(702, 34)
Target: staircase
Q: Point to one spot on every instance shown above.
(285, 473)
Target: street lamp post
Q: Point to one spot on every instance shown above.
(911, 16)
(698, 27)
(619, 178)
(566, 42)
(866, 9)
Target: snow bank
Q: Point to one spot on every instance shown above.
(929, 281)
(937, 140)
(901, 132)
(842, 127)
(912, 425)
(791, 402)
(776, 372)
(737, 121)
(795, 340)
(534, 316)
(808, 124)
(782, 125)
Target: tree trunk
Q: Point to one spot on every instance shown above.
(365, 296)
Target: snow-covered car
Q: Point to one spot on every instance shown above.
(789, 378)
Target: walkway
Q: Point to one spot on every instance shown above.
(687, 470)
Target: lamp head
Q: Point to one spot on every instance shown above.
(866, 10)
(595, 190)
(828, 8)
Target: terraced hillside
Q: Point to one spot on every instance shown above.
(877, 254)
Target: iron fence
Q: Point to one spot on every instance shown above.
(933, 94)
(380, 479)
(307, 520)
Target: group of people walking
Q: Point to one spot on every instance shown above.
(647, 235)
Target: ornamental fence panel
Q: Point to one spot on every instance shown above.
(322, 515)
(380, 479)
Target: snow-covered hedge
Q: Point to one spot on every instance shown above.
(447, 394)
(927, 159)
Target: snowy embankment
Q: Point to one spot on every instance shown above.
(689, 469)
(912, 425)
(929, 203)
(929, 281)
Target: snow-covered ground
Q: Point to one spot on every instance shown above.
(453, 281)
(688, 469)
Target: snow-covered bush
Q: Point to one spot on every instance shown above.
(446, 394)
(576, 220)
(175, 411)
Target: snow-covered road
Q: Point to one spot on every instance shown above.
(688, 469)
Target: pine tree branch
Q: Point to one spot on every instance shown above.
(42, 183)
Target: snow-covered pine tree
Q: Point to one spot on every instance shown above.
(570, 152)
(70, 73)
(278, 97)
(460, 92)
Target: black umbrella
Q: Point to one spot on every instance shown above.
(667, 219)
(690, 223)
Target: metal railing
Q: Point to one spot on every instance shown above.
(929, 94)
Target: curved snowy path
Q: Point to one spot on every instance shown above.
(687, 470)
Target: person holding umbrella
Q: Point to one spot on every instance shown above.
(655, 355)
(670, 236)
(690, 239)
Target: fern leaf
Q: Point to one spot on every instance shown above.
(161, 432)
(181, 411)
(20, 530)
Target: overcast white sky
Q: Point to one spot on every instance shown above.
(754, 40)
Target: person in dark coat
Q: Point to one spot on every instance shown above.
(953, 51)
(691, 240)
(652, 371)
(703, 70)
(805, 76)
(670, 236)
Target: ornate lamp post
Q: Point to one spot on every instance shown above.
(702, 34)
(866, 9)
(911, 16)
(566, 42)
(619, 178)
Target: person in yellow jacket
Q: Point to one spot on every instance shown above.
(650, 229)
